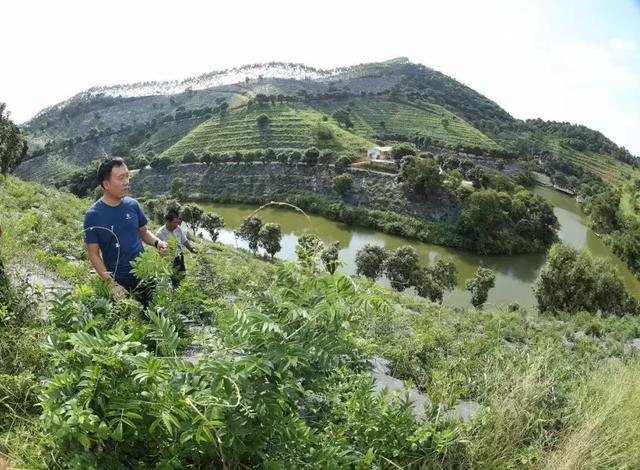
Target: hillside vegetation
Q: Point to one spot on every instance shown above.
(268, 364)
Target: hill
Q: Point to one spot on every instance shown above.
(386, 102)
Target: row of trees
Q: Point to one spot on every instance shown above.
(258, 234)
(310, 156)
(403, 270)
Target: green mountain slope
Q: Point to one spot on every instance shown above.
(376, 116)
(388, 101)
(289, 126)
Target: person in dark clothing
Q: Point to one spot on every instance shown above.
(115, 227)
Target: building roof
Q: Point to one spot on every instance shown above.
(382, 149)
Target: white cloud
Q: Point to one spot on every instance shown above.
(624, 45)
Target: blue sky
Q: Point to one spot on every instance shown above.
(570, 60)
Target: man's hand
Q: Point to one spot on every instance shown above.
(118, 291)
(162, 247)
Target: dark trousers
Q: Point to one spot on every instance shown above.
(142, 291)
(179, 270)
(4, 284)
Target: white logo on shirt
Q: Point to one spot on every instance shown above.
(128, 216)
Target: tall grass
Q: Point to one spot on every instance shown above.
(511, 431)
(604, 428)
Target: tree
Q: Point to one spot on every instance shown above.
(261, 98)
(478, 176)
(308, 248)
(269, 238)
(445, 123)
(574, 281)
(329, 257)
(603, 211)
(192, 215)
(484, 219)
(419, 175)
(626, 244)
(342, 164)
(237, 156)
(249, 231)
(263, 121)
(189, 157)
(161, 163)
(269, 155)
(178, 187)
(479, 286)
(401, 267)
(295, 157)
(343, 118)
(342, 183)
(212, 223)
(207, 157)
(370, 261)
(327, 156)
(311, 156)
(432, 281)
(13, 146)
(402, 150)
(142, 162)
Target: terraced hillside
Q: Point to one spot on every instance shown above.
(379, 116)
(387, 101)
(289, 126)
(605, 166)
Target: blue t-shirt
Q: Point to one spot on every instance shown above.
(124, 220)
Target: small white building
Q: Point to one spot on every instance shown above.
(379, 154)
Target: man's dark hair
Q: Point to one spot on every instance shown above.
(104, 170)
(172, 214)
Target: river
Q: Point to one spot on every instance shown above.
(514, 274)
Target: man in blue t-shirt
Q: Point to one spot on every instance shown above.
(114, 228)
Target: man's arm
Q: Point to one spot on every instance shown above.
(149, 238)
(185, 241)
(93, 252)
(190, 246)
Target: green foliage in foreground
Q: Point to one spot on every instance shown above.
(261, 393)
(296, 342)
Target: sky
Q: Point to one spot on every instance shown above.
(569, 60)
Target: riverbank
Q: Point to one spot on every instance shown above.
(514, 273)
(505, 220)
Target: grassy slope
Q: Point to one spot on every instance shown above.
(290, 126)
